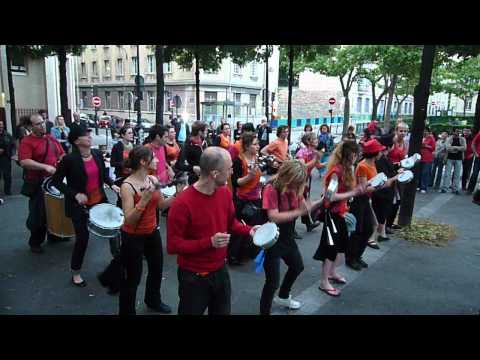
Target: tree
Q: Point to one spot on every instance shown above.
(163, 54)
(405, 88)
(420, 96)
(343, 62)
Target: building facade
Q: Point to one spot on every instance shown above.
(109, 72)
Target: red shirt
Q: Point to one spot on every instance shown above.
(193, 219)
(34, 147)
(288, 200)
(427, 153)
(476, 142)
(469, 151)
(398, 153)
(337, 207)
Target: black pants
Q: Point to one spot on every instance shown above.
(6, 173)
(37, 219)
(82, 236)
(473, 179)
(293, 259)
(357, 243)
(467, 167)
(131, 255)
(197, 293)
(111, 275)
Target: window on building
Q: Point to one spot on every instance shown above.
(395, 106)
(253, 101)
(468, 104)
(151, 100)
(83, 70)
(238, 98)
(210, 96)
(381, 107)
(120, 67)
(367, 105)
(94, 68)
(83, 99)
(359, 105)
(121, 100)
(18, 63)
(133, 65)
(236, 69)
(107, 69)
(410, 108)
(405, 108)
(253, 69)
(108, 104)
(151, 64)
(167, 68)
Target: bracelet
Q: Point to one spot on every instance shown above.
(140, 209)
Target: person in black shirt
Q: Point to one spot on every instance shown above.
(238, 131)
(189, 160)
(263, 133)
(7, 149)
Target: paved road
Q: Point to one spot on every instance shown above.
(403, 278)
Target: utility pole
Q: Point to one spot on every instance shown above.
(139, 108)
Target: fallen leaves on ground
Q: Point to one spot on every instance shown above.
(427, 232)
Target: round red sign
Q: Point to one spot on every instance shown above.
(331, 101)
(96, 101)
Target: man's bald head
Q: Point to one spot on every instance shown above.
(213, 158)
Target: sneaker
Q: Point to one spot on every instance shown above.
(37, 249)
(363, 263)
(289, 303)
(354, 265)
(423, 192)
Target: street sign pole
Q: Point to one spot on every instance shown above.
(139, 109)
(96, 120)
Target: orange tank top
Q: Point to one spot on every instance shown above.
(148, 220)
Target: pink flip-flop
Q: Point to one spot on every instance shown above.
(341, 280)
(332, 292)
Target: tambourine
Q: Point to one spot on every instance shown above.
(405, 177)
(266, 235)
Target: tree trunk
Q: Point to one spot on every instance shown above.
(391, 90)
(420, 101)
(11, 90)
(448, 103)
(464, 106)
(476, 119)
(197, 86)
(266, 85)
(159, 59)
(62, 72)
(290, 85)
(374, 103)
(346, 113)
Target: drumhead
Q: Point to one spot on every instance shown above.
(168, 191)
(378, 180)
(405, 177)
(265, 234)
(106, 216)
(50, 189)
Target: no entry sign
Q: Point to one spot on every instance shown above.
(331, 101)
(96, 101)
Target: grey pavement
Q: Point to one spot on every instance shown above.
(403, 278)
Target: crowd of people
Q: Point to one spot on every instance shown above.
(226, 188)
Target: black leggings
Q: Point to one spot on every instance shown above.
(82, 236)
(293, 259)
(131, 254)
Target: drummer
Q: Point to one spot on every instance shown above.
(200, 222)
(120, 152)
(157, 140)
(85, 171)
(284, 203)
(340, 166)
(140, 235)
(38, 154)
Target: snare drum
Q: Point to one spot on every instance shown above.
(405, 177)
(266, 235)
(57, 223)
(105, 220)
(378, 180)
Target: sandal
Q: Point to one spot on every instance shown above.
(332, 292)
(340, 280)
(373, 245)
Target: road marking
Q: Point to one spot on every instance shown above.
(313, 299)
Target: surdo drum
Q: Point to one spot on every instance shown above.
(105, 220)
(57, 223)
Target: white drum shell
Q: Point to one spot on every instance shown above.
(405, 177)
(266, 236)
(105, 220)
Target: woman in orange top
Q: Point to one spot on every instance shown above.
(173, 150)
(140, 236)
(223, 139)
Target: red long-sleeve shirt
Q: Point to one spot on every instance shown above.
(428, 147)
(193, 219)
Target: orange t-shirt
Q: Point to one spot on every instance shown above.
(224, 142)
(278, 148)
(365, 170)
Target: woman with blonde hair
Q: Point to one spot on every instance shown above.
(333, 241)
(284, 203)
